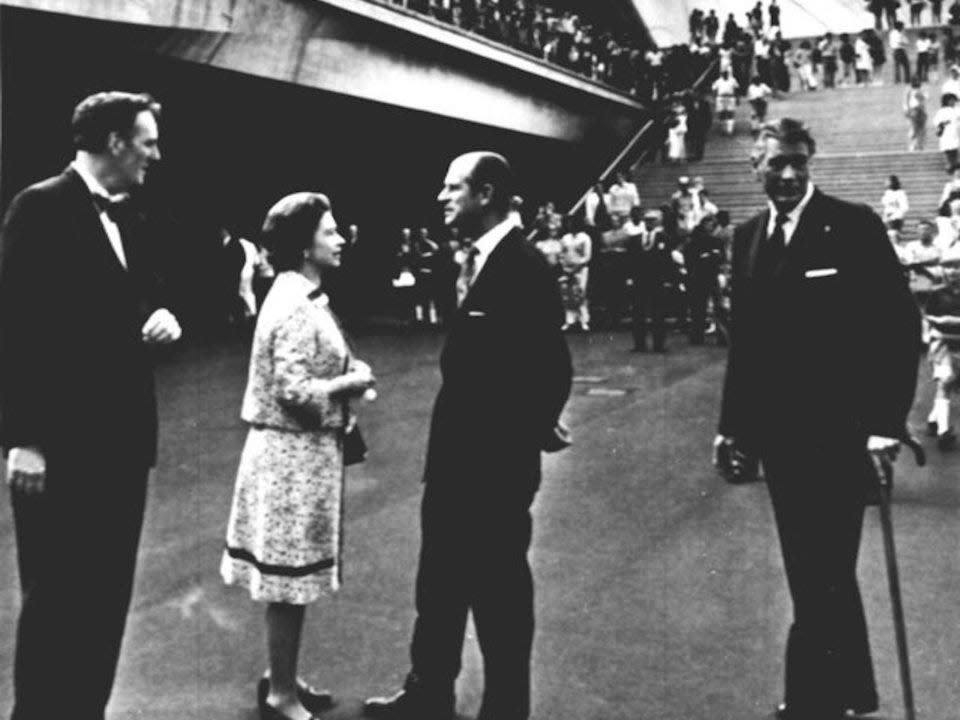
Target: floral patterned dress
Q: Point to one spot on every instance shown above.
(284, 533)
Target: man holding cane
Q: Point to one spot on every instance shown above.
(821, 372)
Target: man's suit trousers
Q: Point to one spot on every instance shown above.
(473, 557)
(818, 501)
(77, 548)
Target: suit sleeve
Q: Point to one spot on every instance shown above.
(890, 330)
(544, 363)
(28, 322)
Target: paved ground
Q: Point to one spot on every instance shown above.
(660, 592)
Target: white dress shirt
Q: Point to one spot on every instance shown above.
(793, 217)
(487, 243)
(109, 226)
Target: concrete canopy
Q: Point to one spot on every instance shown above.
(667, 19)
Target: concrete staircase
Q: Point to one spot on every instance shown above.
(861, 136)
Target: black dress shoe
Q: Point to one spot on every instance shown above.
(409, 705)
(315, 701)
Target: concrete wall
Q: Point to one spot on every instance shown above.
(376, 53)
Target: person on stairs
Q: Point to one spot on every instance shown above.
(947, 124)
(943, 322)
(726, 88)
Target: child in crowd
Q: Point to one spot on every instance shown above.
(943, 320)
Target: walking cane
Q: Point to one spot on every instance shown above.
(884, 476)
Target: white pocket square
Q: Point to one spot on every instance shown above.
(820, 272)
(477, 313)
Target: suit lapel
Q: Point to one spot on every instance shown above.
(90, 225)
(759, 237)
(489, 270)
(810, 226)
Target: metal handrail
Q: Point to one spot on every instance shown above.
(630, 145)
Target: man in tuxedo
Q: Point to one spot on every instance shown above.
(79, 306)
(821, 372)
(506, 377)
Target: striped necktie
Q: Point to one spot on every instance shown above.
(468, 273)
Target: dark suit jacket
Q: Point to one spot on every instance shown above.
(828, 346)
(506, 375)
(75, 377)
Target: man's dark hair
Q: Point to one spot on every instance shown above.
(105, 112)
(494, 170)
(788, 131)
(289, 228)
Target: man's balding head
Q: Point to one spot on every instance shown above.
(476, 192)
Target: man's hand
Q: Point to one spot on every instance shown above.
(718, 442)
(161, 328)
(883, 446)
(732, 463)
(26, 470)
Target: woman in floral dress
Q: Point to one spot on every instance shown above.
(283, 537)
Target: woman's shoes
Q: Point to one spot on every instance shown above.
(315, 701)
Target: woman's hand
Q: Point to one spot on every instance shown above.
(359, 379)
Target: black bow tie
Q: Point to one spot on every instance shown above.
(115, 209)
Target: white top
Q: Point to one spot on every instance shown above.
(895, 204)
(726, 87)
(109, 226)
(898, 41)
(864, 60)
(758, 92)
(952, 86)
(793, 217)
(948, 118)
(623, 197)
(592, 204)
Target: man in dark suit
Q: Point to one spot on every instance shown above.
(821, 371)
(79, 305)
(506, 377)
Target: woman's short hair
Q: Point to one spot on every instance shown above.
(105, 112)
(894, 182)
(290, 226)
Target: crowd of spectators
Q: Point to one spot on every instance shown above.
(566, 39)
